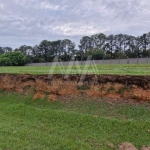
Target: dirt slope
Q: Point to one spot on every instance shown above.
(93, 86)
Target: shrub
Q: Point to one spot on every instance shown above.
(96, 54)
(17, 58)
(4, 61)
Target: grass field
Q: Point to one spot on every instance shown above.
(128, 69)
(74, 125)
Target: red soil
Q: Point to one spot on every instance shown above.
(93, 86)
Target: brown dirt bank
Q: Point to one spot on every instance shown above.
(93, 86)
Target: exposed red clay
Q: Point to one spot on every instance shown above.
(93, 86)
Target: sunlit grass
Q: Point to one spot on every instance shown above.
(130, 69)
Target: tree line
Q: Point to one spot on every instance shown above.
(99, 46)
(117, 46)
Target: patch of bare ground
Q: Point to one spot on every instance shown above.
(126, 146)
(129, 146)
(145, 148)
(114, 88)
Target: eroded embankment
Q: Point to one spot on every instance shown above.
(93, 86)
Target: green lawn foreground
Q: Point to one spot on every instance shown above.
(75, 125)
(124, 69)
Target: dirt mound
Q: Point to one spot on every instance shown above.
(126, 146)
(129, 146)
(145, 148)
(93, 86)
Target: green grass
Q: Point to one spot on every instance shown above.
(124, 69)
(72, 125)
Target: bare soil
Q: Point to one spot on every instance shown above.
(130, 146)
(115, 87)
(145, 148)
(126, 146)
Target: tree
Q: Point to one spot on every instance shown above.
(56, 47)
(85, 44)
(68, 46)
(98, 40)
(145, 43)
(110, 45)
(1, 50)
(7, 49)
(96, 54)
(137, 47)
(44, 49)
(26, 50)
(17, 58)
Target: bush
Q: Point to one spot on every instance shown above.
(96, 54)
(65, 57)
(17, 58)
(4, 61)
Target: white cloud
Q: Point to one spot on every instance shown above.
(46, 5)
(76, 29)
(22, 2)
(55, 19)
(19, 2)
(1, 6)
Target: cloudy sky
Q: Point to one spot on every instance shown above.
(31, 21)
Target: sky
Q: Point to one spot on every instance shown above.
(28, 22)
